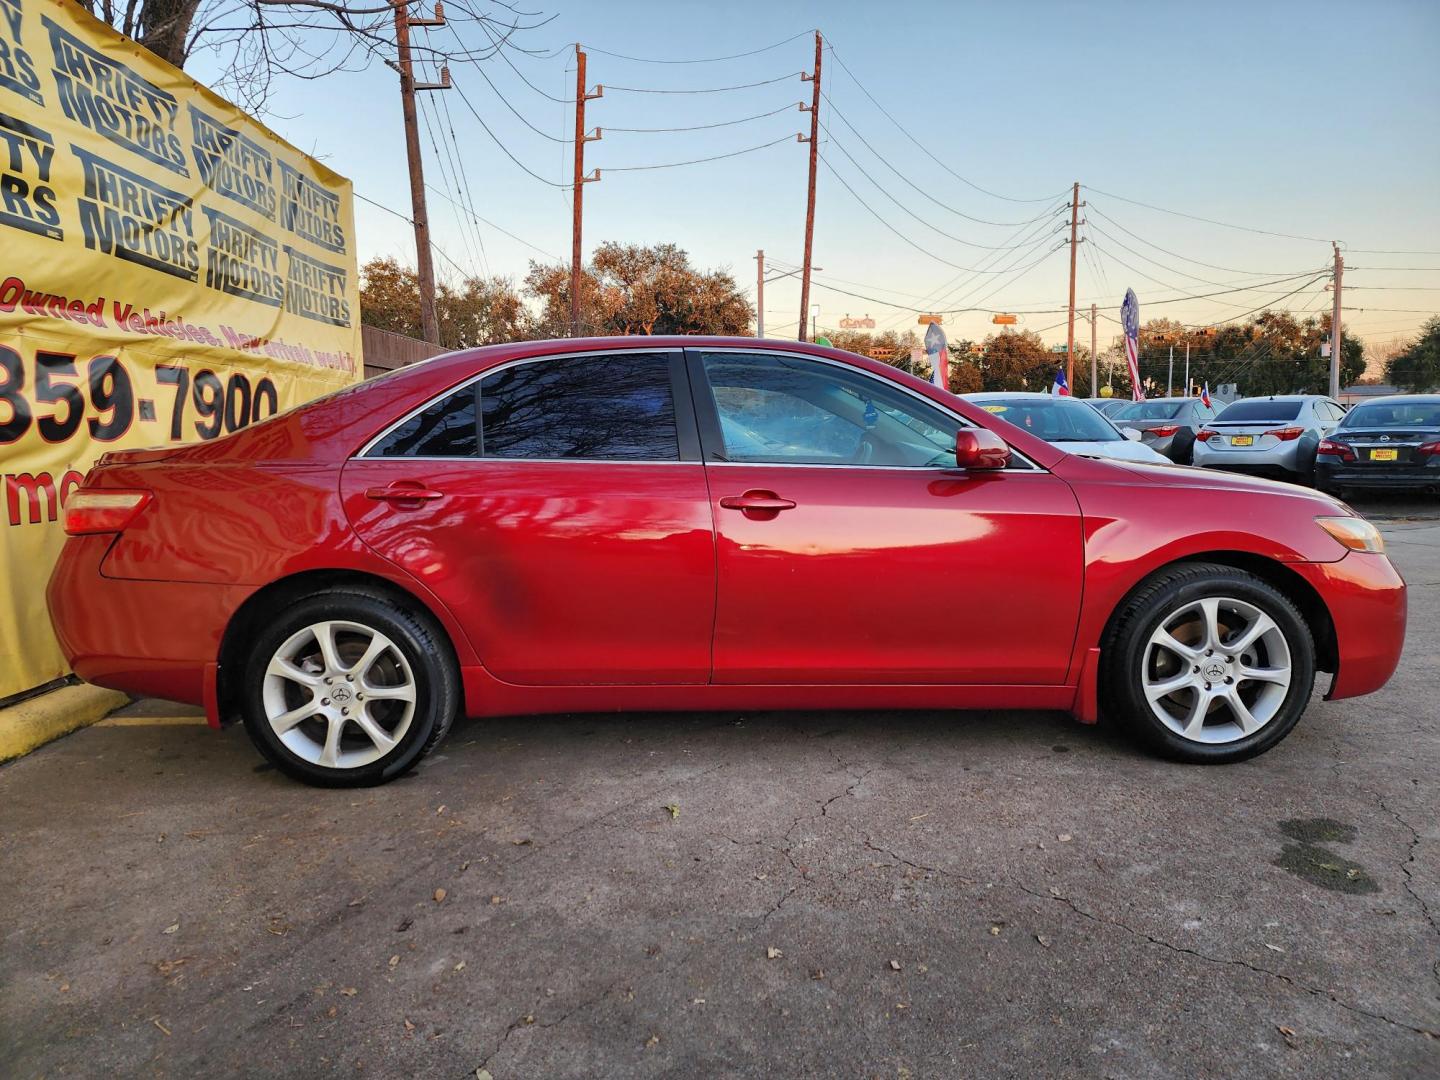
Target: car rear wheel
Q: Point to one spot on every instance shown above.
(1208, 664)
(348, 689)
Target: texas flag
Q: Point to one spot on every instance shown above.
(1060, 388)
(1205, 395)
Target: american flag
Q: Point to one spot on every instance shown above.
(1130, 320)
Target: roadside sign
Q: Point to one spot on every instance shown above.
(931, 320)
(847, 323)
(1004, 320)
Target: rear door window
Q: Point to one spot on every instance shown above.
(446, 428)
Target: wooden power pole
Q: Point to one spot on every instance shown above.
(424, 261)
(810, 199)
(1094, 360)
(578, 199)
(1335, 326)
(760, 293)
(1070, 332)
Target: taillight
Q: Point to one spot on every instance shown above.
(103, 511)
(1287, 434)
(1331, 448)
(1429, 449)
(1164, 432)
(1205, 435)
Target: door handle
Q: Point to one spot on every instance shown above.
(402, 492)
(757, 504)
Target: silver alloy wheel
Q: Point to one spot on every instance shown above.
(339, 694)
(1216, 670)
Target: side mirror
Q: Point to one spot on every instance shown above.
(980, 450)
(1131, 433)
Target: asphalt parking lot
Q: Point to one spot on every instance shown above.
(857, 894)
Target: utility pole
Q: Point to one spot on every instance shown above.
(760, 293)
(1070, 332)
(1170, 375)
(810, 198)
(1187, 368)
(424, 261)
(1094, 361)
(578, 199)
(1335, 326)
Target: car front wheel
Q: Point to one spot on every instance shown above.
(1208, 664)
(348, 689)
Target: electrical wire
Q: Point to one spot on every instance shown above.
(698, 161)
(505, 149)
(1092, 208)
(409, 221)
(506, 101)
(925, 149)
(701, 90)
(1208, 221)
(487, 221)
(887, 163)
(702, 127)
(701, 60)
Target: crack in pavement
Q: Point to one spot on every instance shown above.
(1227, 962)
(1409, 881)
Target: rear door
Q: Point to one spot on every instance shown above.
(558, 507)
(851, 550)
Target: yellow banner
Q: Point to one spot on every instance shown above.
(170, 271)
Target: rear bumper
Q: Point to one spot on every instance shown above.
(149, 638)
(1366, 598)
(1378, 477)
(1284, 458)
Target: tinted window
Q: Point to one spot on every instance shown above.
(795, 410)
(1394, 415)
(445, 428)
(1260, 411)
(1149, 410)
(611, 407)
(1054, 419)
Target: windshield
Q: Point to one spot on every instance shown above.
(1261, 411)
(1149, 410)
(1056, 420)
(1394, 415)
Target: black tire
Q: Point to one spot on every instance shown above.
(1124, 655)
(414, 634)
(1184, 447)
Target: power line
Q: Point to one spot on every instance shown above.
(1092, 208)
(884, 191)
(701, 60)
(506, 101)
(505, 149)
(886, 162)
(701, 90)
(925, 149)
(698, 161)
(409, 221)
(703, 127)
(1208, 221)
(486, 221)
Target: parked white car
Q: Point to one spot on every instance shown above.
(1270, 436)
(1069, 423)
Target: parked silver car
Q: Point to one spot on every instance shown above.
(1273, 436)
(1166, 425)
(1107, 406)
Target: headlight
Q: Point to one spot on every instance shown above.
(1355, 533)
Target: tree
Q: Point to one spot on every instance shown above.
(1013, 360)
(476, 311)
(254, 41)
(1418, 368)
(635, 289)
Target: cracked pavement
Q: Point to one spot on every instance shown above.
(874, 894)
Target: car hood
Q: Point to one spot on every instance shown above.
(1215, 480)
(1114, 451)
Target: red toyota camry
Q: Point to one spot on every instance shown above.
(700, 523)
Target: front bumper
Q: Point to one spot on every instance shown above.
(1366, 599)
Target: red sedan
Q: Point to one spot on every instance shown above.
(700, 523)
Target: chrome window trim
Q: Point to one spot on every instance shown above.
(364, 451)
(962, 421)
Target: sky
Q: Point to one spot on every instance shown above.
(1317, 120)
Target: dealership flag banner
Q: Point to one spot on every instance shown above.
(1130, 320)
(936, 348)
(170, 271)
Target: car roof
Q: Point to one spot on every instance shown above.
(1395, 399)
(991, 395)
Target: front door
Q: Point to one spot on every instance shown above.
(558, 507)
(851, 550)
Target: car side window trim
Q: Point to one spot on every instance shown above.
(708, 418)
(686, 427)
